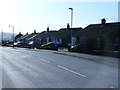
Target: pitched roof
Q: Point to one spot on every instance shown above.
(32, 37)
(18, 36)
(22, 37)
(46, 34)
(99, 29)
(27, 36)
(64, 32)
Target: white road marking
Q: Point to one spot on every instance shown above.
(66, 69)
(71, 71)
(111, 87)
(45, 60)
(24, 56)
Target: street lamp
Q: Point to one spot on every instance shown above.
(13, 34)
(1, 37)
(71, 22)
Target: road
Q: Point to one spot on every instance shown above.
(28, 68)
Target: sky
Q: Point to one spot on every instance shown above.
(30, 15)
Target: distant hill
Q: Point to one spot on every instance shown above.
(6, 36)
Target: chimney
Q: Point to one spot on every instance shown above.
(103, 21)
(35, 31)
(68, 26)
(27, 33)
(48, 29)
(19, 32)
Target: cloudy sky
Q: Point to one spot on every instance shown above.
(27, 15)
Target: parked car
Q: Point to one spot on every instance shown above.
(34, 45)
(50, 46)
(75, 48)
(5, 43)
(21, 44)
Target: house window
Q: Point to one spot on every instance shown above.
(73, 41)
(83, 39)
(47, 39)
(40, 40)
(98, 42)
(116, 42)
(60, 41)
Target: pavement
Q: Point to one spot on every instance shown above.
(101, 59)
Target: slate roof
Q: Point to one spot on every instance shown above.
(18, 36)
(64, 32)
(46, 34)
(26, 37)
(91, 30)
(100, 29)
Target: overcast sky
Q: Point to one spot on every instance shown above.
(27, 15)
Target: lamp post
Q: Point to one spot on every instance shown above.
(1, 37)
(13, 34)
(71, 22)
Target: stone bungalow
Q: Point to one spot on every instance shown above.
(18, 36)
(104, 36)
(25, 38)
(64, 34)
(45, 37)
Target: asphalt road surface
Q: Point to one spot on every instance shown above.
(27, 68)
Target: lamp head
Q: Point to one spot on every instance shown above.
(71, 8)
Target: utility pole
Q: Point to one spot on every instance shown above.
(13, 34)
(1, 37)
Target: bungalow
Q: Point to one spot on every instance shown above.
(42, 38)
(22, 38)
(47, 36)
(104, 36)
(25, 38)
(18, 36)
(64, 35)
